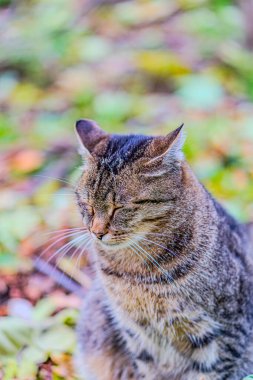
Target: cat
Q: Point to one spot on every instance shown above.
(172, 297)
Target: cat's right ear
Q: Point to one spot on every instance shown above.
(88, 135)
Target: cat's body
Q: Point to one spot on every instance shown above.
(186, 311)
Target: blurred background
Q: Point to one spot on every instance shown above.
(133, 66)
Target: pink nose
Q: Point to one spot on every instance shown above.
(98, 228)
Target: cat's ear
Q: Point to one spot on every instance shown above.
(89, 135)
(168, 148)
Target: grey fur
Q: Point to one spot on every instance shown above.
(186, 311)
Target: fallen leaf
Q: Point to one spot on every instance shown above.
(26, 161)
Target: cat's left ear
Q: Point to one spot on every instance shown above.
(168, 148)
(89, 135)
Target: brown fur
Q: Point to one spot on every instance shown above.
(172, 298)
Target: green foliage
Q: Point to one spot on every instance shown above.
(134, 67)
(201, 92)
(31, 335)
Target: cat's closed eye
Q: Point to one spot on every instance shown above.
(148, 201)
(124, 213)
(116, 210)
(86, 208)
(90, 209)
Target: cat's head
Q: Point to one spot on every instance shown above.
(129, 183)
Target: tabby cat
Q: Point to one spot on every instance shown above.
(172, 297)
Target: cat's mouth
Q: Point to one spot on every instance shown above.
(110, 240)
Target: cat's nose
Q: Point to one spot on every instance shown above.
(98, 235)
(98, 228)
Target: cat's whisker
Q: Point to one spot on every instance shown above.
(82, 248)
(151, 259)
(135, 247)
(160, 245)
(67, 246)
(58, 240)
(55, 178)
(65, 235)
(146, 246)
(64, 251)
(76, 243)
(73, 253)
(55, 233)
(67, 230)
(77, 263)
(145, 254)
(57, 194)
(138, 253)
(181, 244)
(63, 254)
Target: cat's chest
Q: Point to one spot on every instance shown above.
(171, 329)
(154, 310)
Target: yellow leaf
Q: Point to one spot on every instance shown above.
(161, 63)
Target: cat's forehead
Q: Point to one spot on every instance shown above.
(104, 182)
(116, 160)
(101, 185)
(120, 152)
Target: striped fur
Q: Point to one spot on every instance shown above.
(172, 298)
